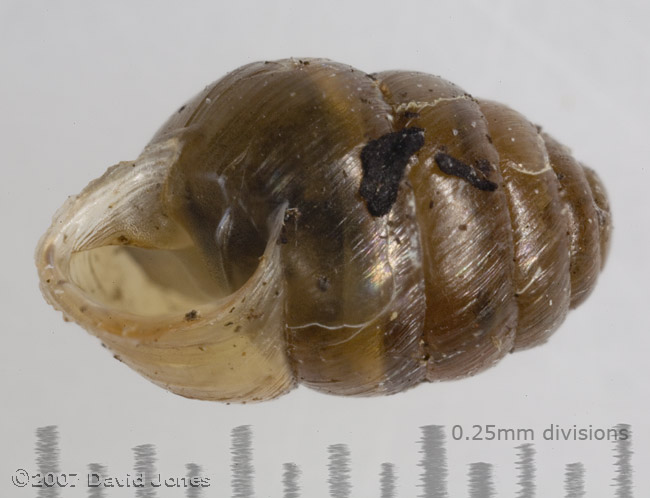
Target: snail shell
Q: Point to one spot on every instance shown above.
(305, 222)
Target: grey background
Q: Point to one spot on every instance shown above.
(85, 85)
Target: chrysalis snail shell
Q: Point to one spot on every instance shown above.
(300, 221)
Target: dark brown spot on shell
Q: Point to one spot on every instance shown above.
(474, 175)
(383, 161)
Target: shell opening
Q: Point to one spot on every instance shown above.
(113, 258)
(144, 282)
(134, 278)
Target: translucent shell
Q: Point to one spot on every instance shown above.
(305, 222)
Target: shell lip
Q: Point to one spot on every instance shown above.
(100, 216)
(60, 290)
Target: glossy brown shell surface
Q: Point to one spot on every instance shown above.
(300, 221)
